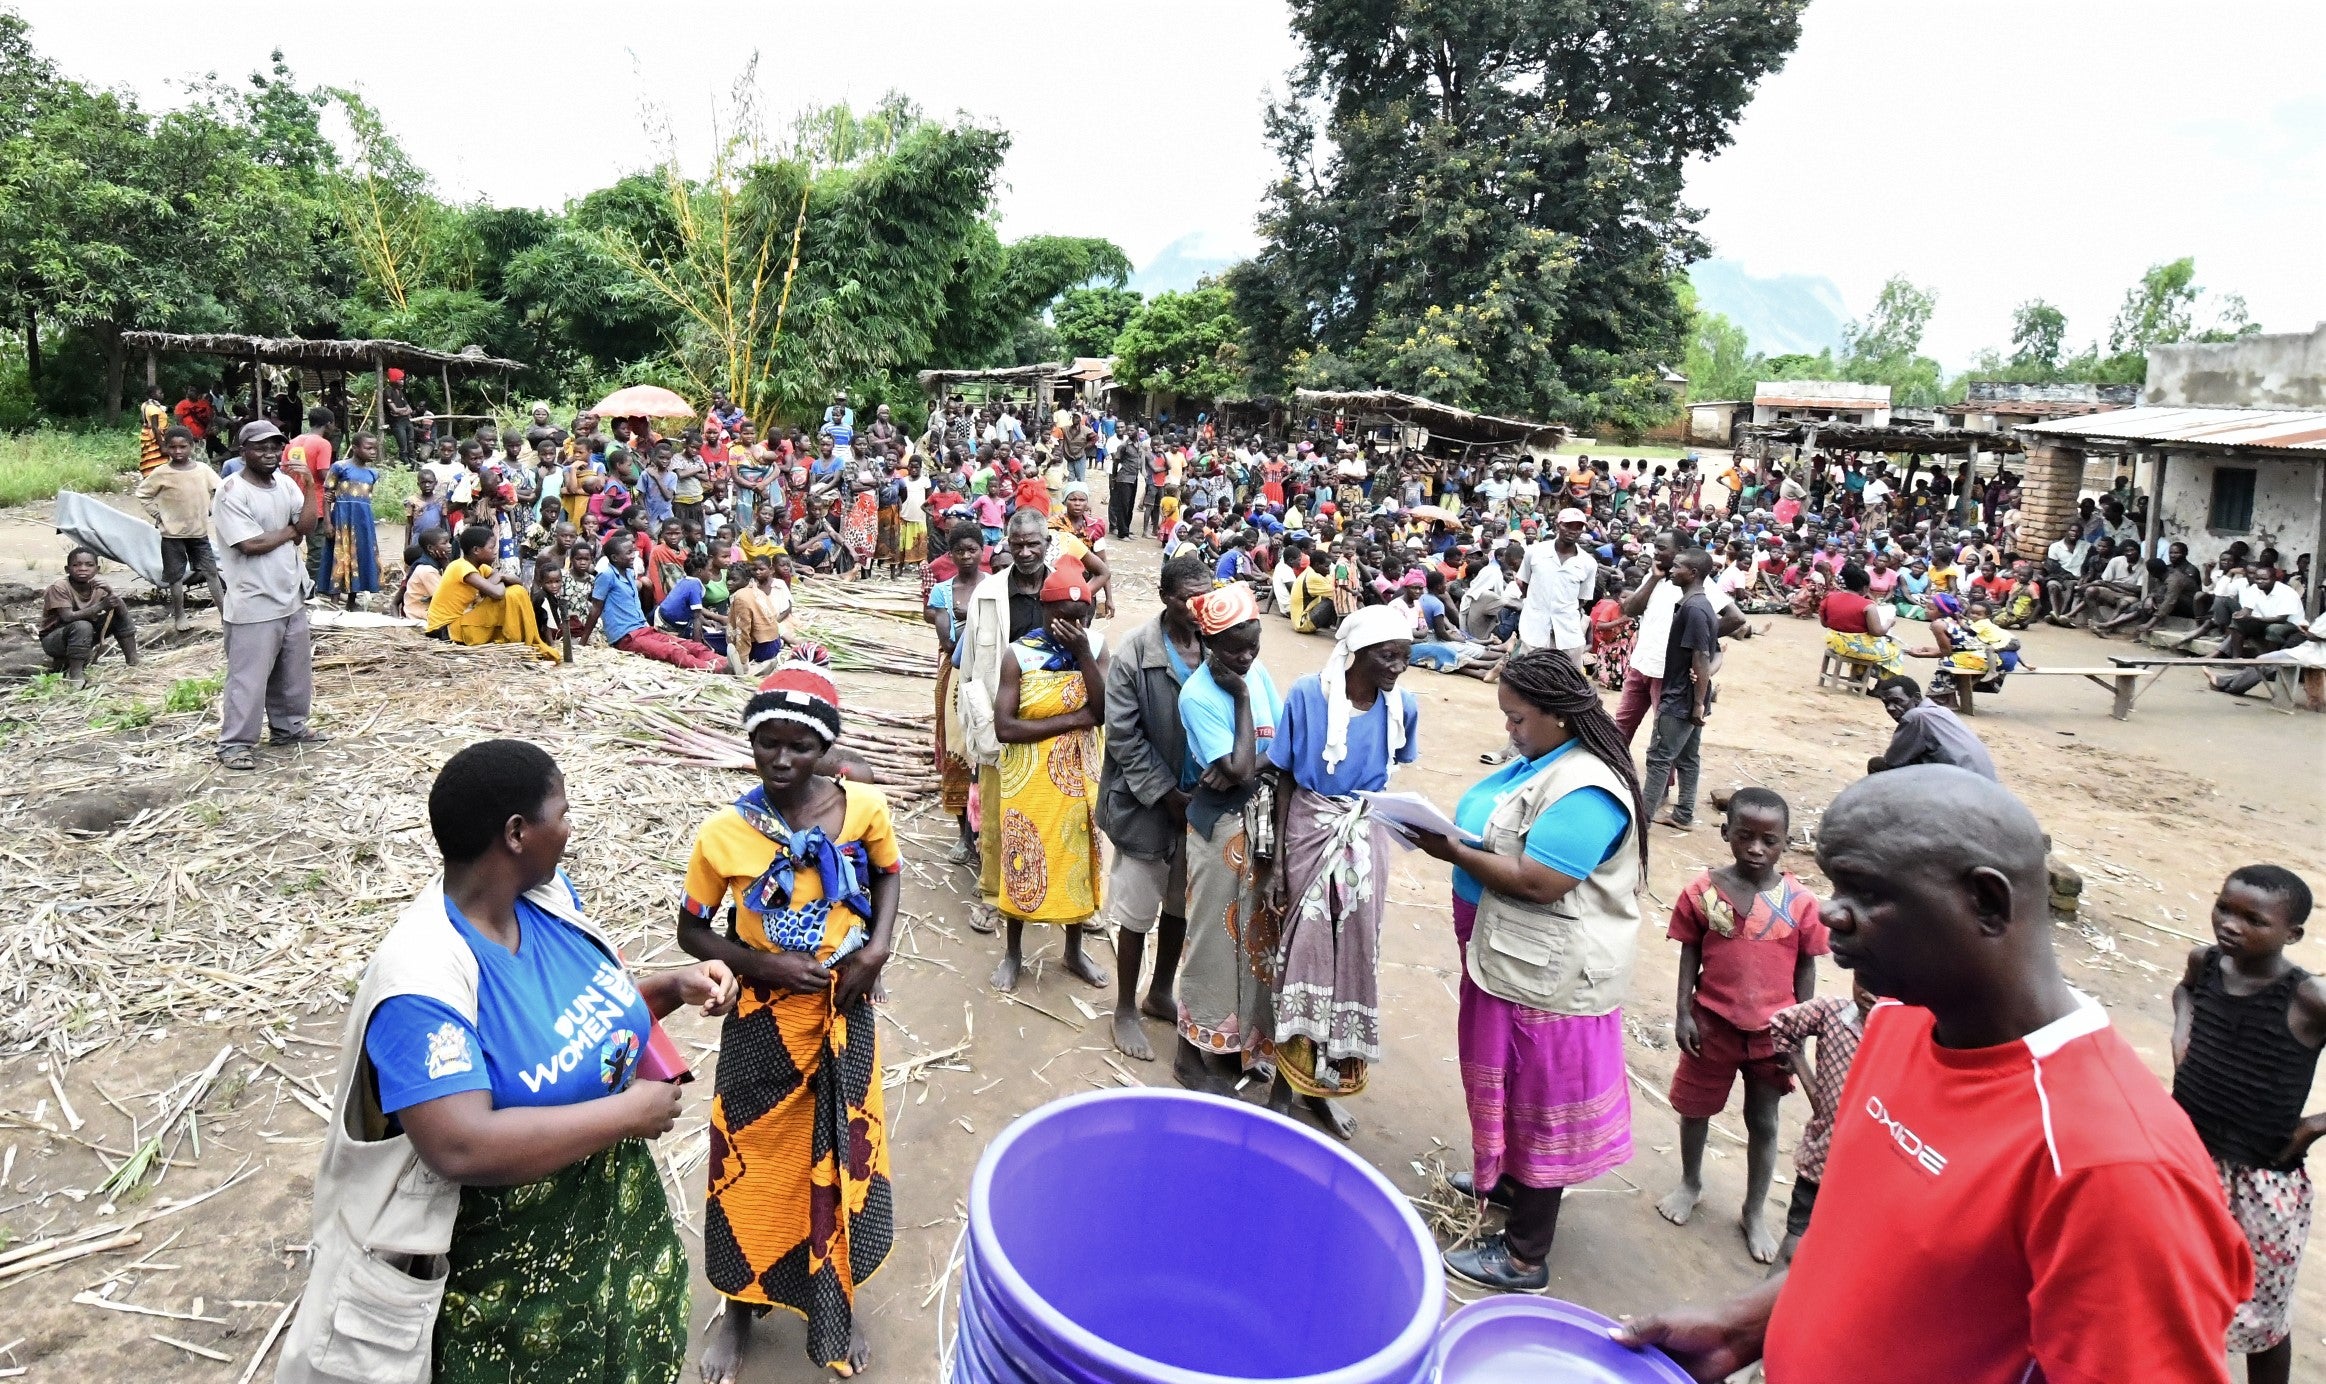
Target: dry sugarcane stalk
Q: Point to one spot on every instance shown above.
(69, 1254)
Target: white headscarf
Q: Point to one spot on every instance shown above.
(1372, 625)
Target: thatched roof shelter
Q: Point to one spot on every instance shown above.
(934, 382)
(1860, 437)
(346, 356)
(1444, 421)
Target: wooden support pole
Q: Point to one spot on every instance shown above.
(379, 394)
(152, 370)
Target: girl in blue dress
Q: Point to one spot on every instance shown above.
(351, 555)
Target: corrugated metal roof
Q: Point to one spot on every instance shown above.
(2281, 430)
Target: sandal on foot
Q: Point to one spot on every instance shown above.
(241, 757)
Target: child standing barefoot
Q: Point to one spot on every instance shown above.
(1749, 936)
(2247, 1026)
(1837, 1024)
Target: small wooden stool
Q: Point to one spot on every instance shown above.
(1848, 674)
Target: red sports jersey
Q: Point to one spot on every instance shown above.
(2040, 1210)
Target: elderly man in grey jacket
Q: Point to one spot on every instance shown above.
(1141, 806)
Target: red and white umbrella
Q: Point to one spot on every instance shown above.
(643, 401)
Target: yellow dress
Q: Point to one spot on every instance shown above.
(468, 616)
(1048, 853)
(798, 1210)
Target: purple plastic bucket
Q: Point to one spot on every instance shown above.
(1162, 1237)
(1533, 1340)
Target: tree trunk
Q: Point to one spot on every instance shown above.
(32, 347)
(116, 365)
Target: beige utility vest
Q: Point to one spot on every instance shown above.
(383, 1218)
(1571, 956)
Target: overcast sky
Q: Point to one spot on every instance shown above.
(1991, 150)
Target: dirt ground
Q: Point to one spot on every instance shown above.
(2152, 812)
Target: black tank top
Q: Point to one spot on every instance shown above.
(2246, 1077)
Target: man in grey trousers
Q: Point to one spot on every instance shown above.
(259, 519)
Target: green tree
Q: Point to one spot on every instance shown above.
(1184, 344)
(1720, 362)
(1089, 319)
(1886, 347)
(2038, 335)
(112, 218)
(2159, 310)
(1481, 198)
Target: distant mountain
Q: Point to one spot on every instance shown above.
(1788, 313)
(1177, 266)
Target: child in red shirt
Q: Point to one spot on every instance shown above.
(1749, 936)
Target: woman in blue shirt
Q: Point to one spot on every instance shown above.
(535, 1105)
(1547, 1091)
(1343, 729)
(1228, 712)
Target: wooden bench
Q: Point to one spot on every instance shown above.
(2124, 682)
(2134, 674)
(2281, 689)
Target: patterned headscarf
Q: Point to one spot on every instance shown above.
(1223, 609)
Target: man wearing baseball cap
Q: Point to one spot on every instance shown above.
(260, 519)
(1558, 576)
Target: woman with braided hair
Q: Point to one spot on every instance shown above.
(1546, 911)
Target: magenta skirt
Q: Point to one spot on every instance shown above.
(1550, 1105)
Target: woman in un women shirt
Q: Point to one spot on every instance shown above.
(487, 1208)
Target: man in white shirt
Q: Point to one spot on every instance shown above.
(2269, 615)
(2306, 652)
(1558, 576)
(2063, 570)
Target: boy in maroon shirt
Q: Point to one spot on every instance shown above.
(1749, 938)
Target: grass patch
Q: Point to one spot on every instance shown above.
(193, 694)
(397, 484)
(35, 465)
(123, 716)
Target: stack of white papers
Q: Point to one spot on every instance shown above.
(1411, 814)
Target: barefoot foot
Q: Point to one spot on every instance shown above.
(1077, 963)
(1130, 1039)
(1159, 1006)
(1760, 1241)
(1337, 1121)
(723, 1352)
(1681, 1204)
(859, 1353)
(1005, 975)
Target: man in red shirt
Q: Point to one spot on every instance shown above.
(307, 460)
(2010, 1194)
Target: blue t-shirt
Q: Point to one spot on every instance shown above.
(683, 601)
(1300, 742)
(558, 1022)
(622, 615)
(1207, 716)
(1574, 835)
